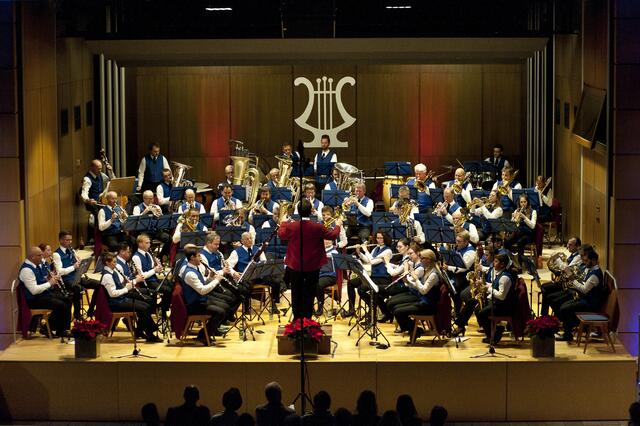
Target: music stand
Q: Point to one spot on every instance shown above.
(122, 186)
(230, 234)
(347, 262)
(259, 219)
(479, 193)
(501, 225)
(334, 198)
(397, 168)
(281, 193)
(207, 220)
(177, 193)
(383, 217)
(146, 223)
(396, 231)
(489, 167)
(427, 220)
(439, 234)
(472, 166)
(437, 195)
(372, 330)
(413, 191)
(239, 192)
(197, 238)
(224, 213)
(308, 170)
(168, 221)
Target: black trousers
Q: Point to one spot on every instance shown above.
(401, 299)
(403, 311)
(324, 282)
(60, 318)
(460, 283)
(469, 305)
(567, 313)
(164, 291)
(212, 308)
(520, 240)
(112, 241)
(499, 309)
(549, 292)
(143, 313)
(303, 290)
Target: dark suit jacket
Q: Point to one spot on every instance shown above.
(225, 418)
(313, 236)
(272, 415)
(188, 415)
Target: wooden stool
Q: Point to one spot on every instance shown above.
(131, 320)
(191, 320)
(45, 318)
(428, 322)
(263, 292)
(332, 292)
(509, 320)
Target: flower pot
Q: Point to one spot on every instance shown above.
(310, 346)
(543, 347)
(87, 347)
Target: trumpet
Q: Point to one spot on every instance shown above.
(505, 188)
(477, 202)
(441, 208)
(122, 214)
(336, 215)
(458, 185)
(153, 209)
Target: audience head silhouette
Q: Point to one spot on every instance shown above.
(232, 400)
(321, 401)
(273, 393)
(245, 419)
(438, 415)
(390, 418)
(367, 405)
(191, 395)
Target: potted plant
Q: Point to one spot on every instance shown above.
(86, 335)
(311, 332)
(541, 331)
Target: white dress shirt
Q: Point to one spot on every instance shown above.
(110, 285)
(136, 261)
(143, 167)
(177, 234)
(193, 281)
(86, 184)
(468, 258)
(504, 284)
(483, 211)
(181, 208)
(318, 210)
(429, 280)
(163, 199)
(368, 258)
(137, 211)
(58, 262)
(28, 278)
(232, 261)
(103, 223)
(590, 283)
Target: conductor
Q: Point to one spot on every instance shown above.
(305, 256)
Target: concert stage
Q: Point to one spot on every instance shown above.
(42, 380)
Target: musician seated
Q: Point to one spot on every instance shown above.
(326, 155)
(483, 276)
(497, 159)
(150, 169)
(242, 222)
(94, 185)
(468, 252)
(228, 180)
(288, 152)
(197, 295)
(508, 183)
(482, 211)
(502, 298)
(226, 201)
(591, 294)
(148, 208)
(264, 205)
(66, 263)
(273, 178)
(559, 269)
(404, 197)
(149, 267)
(42, 291)
(122, 265)
(121, 298)
(460, 223)
(327, 277)
(110, 220)
(425, 290)
(410, 264)
(379, 274)
(461, 187)
(213, 261)
(526, 218)
(561, 291)
(190, 224)
(316, 205)
(331, 184)
(190, 202)
(362, 207)
(163, 190)
(413, 227)
(327, 215)
(545, 196)
(448, 207)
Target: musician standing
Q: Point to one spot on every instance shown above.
(426, 290)
(226, 201)
(110, 220)
(502, 298)
(120, 291)
(468, 253)
(150, 169)
(42, 292)
(362, 207)
(163, 190)
(94, 185)
(190, 202)
(326, 155)
(305, 256)
(497, 159)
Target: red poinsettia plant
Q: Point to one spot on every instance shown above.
(544, 326)
(87, 329)
(309, 328)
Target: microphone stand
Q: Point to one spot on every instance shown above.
(302, 395)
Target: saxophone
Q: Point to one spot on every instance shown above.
(476, 282)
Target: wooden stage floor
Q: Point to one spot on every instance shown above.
(598, 385)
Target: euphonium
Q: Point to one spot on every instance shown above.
(420, 185)
(405, 211)
(284, 210)
(285, 165)
(557, 262)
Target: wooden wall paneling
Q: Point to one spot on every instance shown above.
(261, 109)
(10, 176)
(8, 93)
(152, 111)
(65, 142)
(300, 97)
(388, 114)
(198, 119)
(595, 18)
(10, 226)
(450, 110)
(10, 261)
(9, 134)
(502, 114)
(33, 139)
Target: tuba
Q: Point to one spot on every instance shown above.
(285, 165)
(556, 263)
(346, 176)
(245, 175)
(179, 172)
(284, 210)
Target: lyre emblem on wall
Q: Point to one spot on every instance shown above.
(324, 96)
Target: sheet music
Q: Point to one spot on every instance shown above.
(373, 285)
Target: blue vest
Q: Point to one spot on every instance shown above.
(153, 168)
(126, 271)
(327, 269)
(432, 297)
(487, 276)
(213, 259)
(147, 264)
(271, 185)
(466, 249)
(362, 219)
(510, 299)
(96, 187)
(166, 189)
(507, 204)
(41, 278)
(116, 225)
(458, 197)
(190, 295)
(379, 270)
(523, 228)
(244, 258)
(185, 206)
(326, 159)
(499, 164)
(220, 202)
(119, 286)
(424, 202)
(453, 207)
(416, 266)
(68, 259)
(597, 294)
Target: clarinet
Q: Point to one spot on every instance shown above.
(135, 271)
(54, 273)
